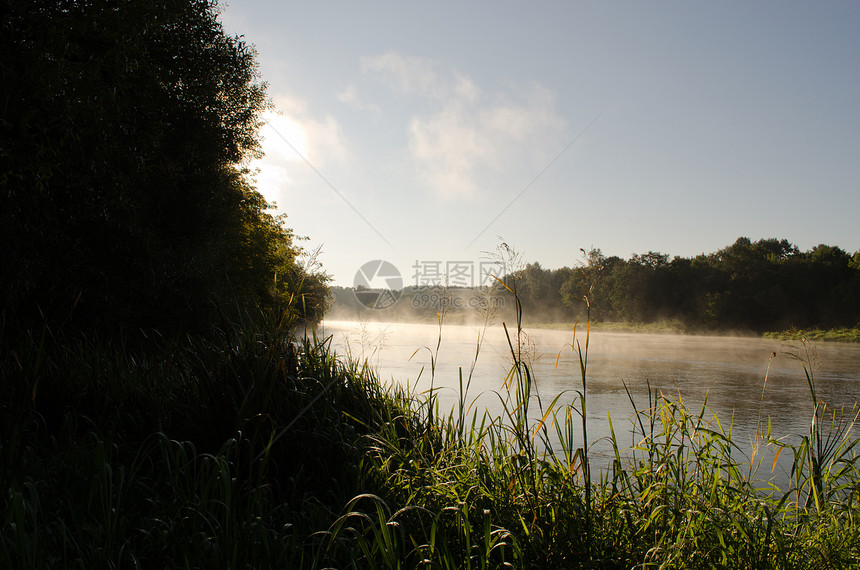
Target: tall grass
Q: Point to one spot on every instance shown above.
(258, 449)
(683, 495)
(218, 452)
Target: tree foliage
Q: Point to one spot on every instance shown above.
(764, 285)
(125, 131)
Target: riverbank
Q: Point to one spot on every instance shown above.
(844, 334)
(258, 450)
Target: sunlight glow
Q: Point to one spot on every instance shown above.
(272, 169)
(279, 127)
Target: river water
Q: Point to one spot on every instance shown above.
(742, 379)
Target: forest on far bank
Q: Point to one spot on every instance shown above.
(752, 286)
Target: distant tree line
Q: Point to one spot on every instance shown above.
(756, 286)
(125, 133)
(764, 285)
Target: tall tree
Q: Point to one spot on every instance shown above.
(125, 128)
(586, 290)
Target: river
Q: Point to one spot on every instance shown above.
(743, 379)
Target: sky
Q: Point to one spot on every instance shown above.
(426, 134)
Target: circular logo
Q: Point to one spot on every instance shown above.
(377, 284)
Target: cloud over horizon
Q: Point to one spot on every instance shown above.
(469, 137)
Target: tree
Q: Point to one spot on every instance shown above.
(125, 129)
(585, 289)
(535, 289)
(824, 282)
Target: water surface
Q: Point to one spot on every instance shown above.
(728, 373)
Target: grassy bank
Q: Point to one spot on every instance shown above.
(844, 334)
(221, 453)
(670, 327)
(254, 450)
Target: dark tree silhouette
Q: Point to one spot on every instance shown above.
(125, 128)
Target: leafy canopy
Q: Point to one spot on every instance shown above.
(125, 131)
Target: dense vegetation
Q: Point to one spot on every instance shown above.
(252, 451)
(762, 285)
(751, 286)
(125, 128)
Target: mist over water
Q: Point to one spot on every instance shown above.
(727, 372)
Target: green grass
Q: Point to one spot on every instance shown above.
(844, 334)
(670, 326)
(257, 450)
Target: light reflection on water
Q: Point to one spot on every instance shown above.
(728, 372)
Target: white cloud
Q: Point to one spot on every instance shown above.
(469, 135)
(350, 97)
(456, 144)
(466, 89)
(404, 73)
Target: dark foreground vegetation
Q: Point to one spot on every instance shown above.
(250, 450)
(157, 411)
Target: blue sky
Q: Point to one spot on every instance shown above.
(424, 132)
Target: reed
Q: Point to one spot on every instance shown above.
(683, 495)
(258, 449)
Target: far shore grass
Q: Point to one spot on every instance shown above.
(668, 327)
(844, 334)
